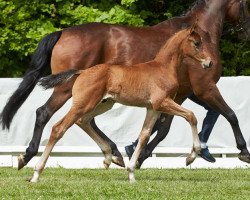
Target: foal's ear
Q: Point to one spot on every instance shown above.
(193, 27)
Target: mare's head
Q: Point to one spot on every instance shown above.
(237, 13)
(192, 46)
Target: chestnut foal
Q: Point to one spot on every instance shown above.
(152, 85)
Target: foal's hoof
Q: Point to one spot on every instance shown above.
(21, 162)
(106, 163)
(245, 157)
(118, 161)
(32, 180)
(189, 160)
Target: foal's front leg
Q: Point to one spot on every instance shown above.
(170, 107)
(151, 117)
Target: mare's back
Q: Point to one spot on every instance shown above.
(86, 45)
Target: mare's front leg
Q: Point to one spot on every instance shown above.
(214, 99)
(170, 107)
(151, 117)
(43, 114)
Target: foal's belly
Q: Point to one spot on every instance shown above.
(129, 100)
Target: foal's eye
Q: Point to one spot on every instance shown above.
(197, 44)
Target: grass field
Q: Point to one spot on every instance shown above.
(59, 183)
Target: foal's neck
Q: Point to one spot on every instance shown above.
(170, 54)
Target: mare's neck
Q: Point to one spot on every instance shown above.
(211, 16)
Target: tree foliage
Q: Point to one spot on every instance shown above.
(24, 23)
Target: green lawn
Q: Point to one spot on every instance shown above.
(59, 183)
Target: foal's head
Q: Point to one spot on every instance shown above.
(192, 47)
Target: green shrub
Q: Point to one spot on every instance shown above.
(24, 23)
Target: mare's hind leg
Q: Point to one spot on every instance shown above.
(84, 123)
(58, 131)
(149, 121)
(214, 99)
(170, 107)
(43, 114)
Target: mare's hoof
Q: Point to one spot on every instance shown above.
(21, 162)
(118, 161)
(189, 160)
(245, 157)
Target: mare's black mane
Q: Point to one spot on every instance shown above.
(194, 5)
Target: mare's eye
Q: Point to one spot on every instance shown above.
(197, 44)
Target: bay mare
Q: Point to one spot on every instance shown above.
(81, 47)
(153, 85)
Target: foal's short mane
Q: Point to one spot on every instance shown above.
(183, 33)
(175, 40)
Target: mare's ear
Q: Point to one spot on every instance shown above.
(193, 27)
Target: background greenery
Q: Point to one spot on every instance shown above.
(24, 23)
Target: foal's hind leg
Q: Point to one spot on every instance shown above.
(57, 132)
(84, 123)
(149, 121)
(117, 156)
(170, 107)
(43, 114)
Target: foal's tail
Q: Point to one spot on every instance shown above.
(54, 80)
(39, 63)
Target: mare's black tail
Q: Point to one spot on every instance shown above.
(39, 62)
(57, 79)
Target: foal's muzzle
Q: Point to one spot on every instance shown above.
(207, 63)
